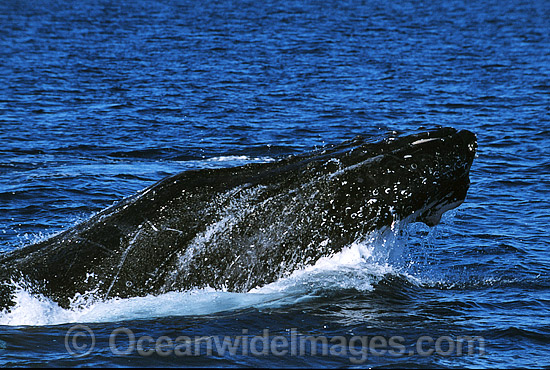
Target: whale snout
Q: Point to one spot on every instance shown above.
(454, 182)
(469, 140)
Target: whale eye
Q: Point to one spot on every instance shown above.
(129, 284)
(414, 166)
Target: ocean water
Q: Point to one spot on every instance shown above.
(99, 99)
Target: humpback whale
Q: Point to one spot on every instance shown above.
(242, 227)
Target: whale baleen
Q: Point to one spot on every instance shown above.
(242, 227)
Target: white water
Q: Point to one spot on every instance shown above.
(358, 266)
(240, 158)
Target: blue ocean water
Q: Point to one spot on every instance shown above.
(99, 99)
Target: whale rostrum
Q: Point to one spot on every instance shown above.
(242, 227)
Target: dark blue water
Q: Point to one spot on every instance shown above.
(100, 99)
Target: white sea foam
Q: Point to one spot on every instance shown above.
(237, 158)
(359, 266)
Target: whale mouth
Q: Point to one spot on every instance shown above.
(434, 212)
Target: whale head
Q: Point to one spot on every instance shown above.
(242, 227)
(415, 178)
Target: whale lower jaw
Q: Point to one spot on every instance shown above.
(436, 211)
